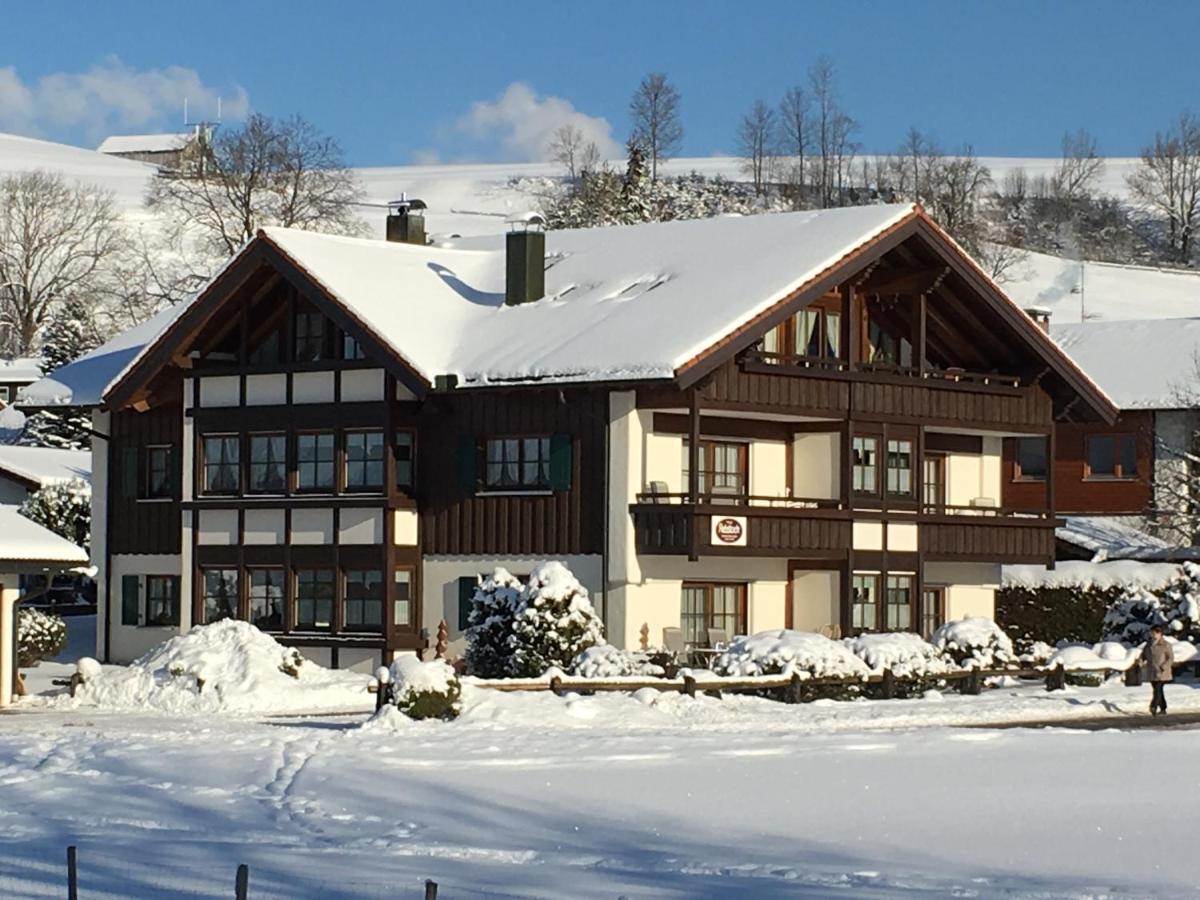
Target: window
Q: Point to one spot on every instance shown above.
(220, 594)
(1112, 456)
(267, 350)
(773, 343)
(314, 599)
(402, 608)
(898, 603)
(222, 464)
(351, 348)
(267, 590)
(364, 600)
(159, 465)
(933, 610)
(808, 332)
(864, 601)
(884, 347)
(833, 334)
(162, 600)
(899, 468)
(314, 461)
(405, 459)
(268, 463)
(1031, 459)
(864, 450)
(516, 463)
(310, 337)
(364, 460)
(715, 605)
(4, 393)
(933, 487)
(724, 467)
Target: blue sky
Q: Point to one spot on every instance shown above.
(398, 82)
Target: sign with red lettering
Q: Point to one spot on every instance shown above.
(728, 531)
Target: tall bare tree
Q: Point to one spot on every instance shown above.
(654, 111)
(267, 172)
(59, 245)
(1079, 167)
(833, 132)
(570, 148)
(756, 136)
(795, 136)
(1167, 181)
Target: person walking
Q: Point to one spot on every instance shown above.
(1158, 658)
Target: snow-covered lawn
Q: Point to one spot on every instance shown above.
(531, 795)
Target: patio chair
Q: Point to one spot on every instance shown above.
(717, 638)
(658, 492)
(673, 641)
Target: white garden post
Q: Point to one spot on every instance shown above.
(8, 640)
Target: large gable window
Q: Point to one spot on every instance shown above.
(222, 463)
(364, 460)
(311, 336)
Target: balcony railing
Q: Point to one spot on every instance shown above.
(935, 376)
(720, 498)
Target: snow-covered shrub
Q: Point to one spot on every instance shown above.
(554, 622)
(785, 652)
(907, 655)
(1035, 653)
(39, 636)
(1094, 657)
(975, 641)
(1176, 607)
(425, 690)
(65, 507)
(607, 661)
(489, 626)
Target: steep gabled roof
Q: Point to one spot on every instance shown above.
(39, 466)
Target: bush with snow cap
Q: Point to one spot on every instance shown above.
(553, 624)
(906, 655)
(40, 636)
(975, 641)
(424, 690)
(489, 625)
(607, 661)
(786, 652)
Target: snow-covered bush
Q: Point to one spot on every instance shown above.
(1176, 607)
(907, 655)
(65, 507)
(785, 652)
(424, 690)
(39, 636)
(1094, 657)
(489, 625)
(607, 661)
(554, 622)
(975, 641)
(521, 631)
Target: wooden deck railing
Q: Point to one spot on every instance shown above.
(937, 376)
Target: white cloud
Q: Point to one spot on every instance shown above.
(522, 123)
(110, 98)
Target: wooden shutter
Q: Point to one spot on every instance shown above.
(467, 463)
(466, 591)
(129, 600)
(129, 472)
(560, 462)
(174, 473)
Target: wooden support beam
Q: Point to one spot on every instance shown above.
(905, 281)
(919, 340)
(850, 326)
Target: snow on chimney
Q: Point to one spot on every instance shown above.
(1041, 315)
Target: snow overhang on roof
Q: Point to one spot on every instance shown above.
(44, 465)
(24, 544)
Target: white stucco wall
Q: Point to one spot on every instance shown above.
(975, 476)
(816, 600)
(970, 587)
(768, 468)
(128, 642)
(816, 466)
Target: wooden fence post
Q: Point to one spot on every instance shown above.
(72, 875)
(556, 685)
(973, 683)
(430, 889)
(792, 691)
(1056, 678)
(1133, 676)
(887, 685)
(689, 685)
(242, 884)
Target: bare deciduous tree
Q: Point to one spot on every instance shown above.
(267, 172)
(756, 135)
(1168, 182)
(1079, 167)
(571, 149)
(832, 131)
(654, 110)
(795, 136)
(59, 244)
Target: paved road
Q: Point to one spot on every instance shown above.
(1121, 721)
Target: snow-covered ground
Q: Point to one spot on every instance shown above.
(650, 795)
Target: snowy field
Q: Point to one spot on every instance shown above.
(649, 795)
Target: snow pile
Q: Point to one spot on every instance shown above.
(786, 652)
(1084, 575)
(424, 690)
(607, 661)
(975, 641)
(225, 667)
(1037, 654)
(907, 655)
(1105, 655)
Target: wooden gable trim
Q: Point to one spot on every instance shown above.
(259, 252)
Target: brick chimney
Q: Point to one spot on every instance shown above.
(525, 262)
(406, 221)
(1041, 315)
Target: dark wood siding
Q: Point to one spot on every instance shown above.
(142, 526)
(987, 541)
(457, 519)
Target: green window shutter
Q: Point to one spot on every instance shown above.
(174, 618)
(175, 473)
(466, 591)
(129, 472)
(468, 463)
(129, 599)
(560, 462)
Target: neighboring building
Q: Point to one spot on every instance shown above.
(776, 421)
(1134, 474)
(16, 374)
(170, 152)
(24, 470)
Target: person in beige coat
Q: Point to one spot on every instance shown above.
(1158, 658)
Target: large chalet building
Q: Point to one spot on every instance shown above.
(790, 420)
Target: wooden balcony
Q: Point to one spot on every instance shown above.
(669, 525)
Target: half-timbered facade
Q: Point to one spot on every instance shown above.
(784, 421)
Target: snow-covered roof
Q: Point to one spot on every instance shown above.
(1147, 364)
(45, 465)
(144, 143)
(23, 369)
(443, 310)
(84, 381)
(25, 541)
(1114, 537)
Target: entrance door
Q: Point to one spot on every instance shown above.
(933, 490)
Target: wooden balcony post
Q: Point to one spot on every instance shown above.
(919, 337)
(849, 326)
(694, 470)
(1051, 448)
